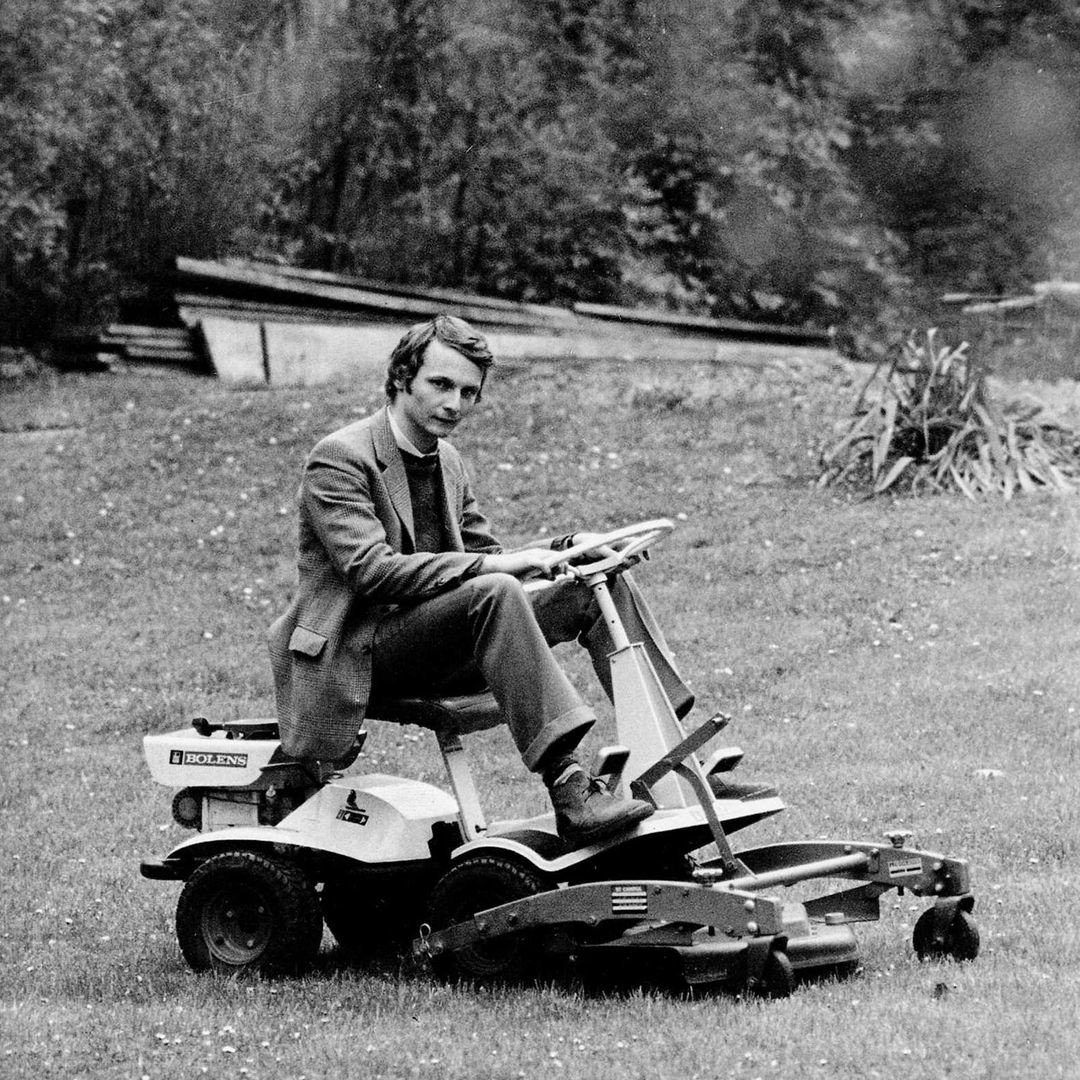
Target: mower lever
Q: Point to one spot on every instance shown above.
(678, 754)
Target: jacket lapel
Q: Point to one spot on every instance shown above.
(397, 483)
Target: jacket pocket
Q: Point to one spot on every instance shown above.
(307, 642)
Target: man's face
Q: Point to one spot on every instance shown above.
(443, 392)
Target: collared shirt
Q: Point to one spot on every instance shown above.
(403, 440)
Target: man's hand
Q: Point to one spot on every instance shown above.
(587, 538)
(529, 563)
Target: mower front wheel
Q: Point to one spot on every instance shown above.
(242, 912)
(778, 978)
(774, 978)
(949, 933)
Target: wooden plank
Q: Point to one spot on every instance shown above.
(150, 343)
(122, 330)
(716, 327)
(543, 312)
(971, 297)
(82, 339)
(187, 344)
(193, 307)
(309, 354)
(138, 352)
(235, 349)
(997, 307)
(341, 296)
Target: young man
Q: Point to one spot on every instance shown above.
(403, 591)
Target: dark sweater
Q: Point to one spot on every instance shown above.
(430, 525)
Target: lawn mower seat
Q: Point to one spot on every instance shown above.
(461, 714)
(449, 718)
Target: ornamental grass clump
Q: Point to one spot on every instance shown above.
(927, 422)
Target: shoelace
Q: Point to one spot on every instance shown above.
(596, 787)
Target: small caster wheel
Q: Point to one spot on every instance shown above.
(777, 978)
(941, 934)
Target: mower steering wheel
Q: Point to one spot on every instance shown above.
(618, 549)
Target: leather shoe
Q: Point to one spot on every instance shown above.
(585, 811)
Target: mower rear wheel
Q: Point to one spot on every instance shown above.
(242, 912)
(958, 939)
(475, 884)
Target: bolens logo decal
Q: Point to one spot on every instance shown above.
(350, 812)
(215, 758)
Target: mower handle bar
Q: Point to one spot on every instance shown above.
(632, 540)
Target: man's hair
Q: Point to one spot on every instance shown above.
(408, 354)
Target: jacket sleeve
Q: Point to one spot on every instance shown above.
(338, 503)
(475, 530)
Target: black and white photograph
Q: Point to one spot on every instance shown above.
(539, 539)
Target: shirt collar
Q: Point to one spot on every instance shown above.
(404, 442)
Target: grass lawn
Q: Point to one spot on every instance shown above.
(907, 663)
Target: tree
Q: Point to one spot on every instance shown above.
(130, 134)
(445, 147)
(733, 132)
(966, 127)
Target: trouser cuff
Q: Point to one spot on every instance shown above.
(569, 729)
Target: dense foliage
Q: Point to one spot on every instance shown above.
(823, 161)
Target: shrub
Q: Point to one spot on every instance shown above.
(927, 422)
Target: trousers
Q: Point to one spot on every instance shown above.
(489, 632)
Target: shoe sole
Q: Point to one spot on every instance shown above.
(612, 828)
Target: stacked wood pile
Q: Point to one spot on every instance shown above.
(120, 344)
(254, 322)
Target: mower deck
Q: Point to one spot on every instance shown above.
(714, 929)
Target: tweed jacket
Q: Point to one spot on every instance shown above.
(356, 562)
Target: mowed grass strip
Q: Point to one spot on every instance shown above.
(889, 664)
